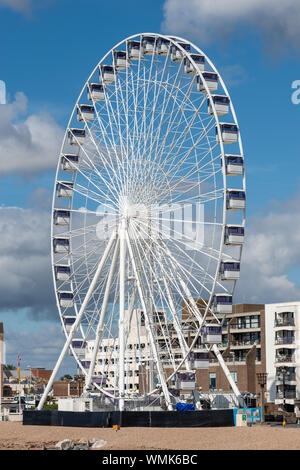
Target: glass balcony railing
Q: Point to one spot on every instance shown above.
(245, 343)
(230, 359)
(284, 340)
(287, 378)
(286, 394)
(284, 359)
(244, 326)
(284, 322)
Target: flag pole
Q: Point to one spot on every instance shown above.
(19, 360)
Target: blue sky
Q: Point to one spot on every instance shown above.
(48, 49)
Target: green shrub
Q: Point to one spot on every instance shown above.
(54, 406)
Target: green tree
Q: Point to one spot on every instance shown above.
(66, 377)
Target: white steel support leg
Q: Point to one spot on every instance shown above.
(99, 330)
(149, 328)
(130, 313)
(78, 319)
(122, 236)
(182, 342)
(229, 376)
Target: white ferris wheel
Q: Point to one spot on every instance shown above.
(148, 220)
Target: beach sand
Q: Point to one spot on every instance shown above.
(14, 435)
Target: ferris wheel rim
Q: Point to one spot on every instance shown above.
(171, 39)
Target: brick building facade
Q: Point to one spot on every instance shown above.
(69, 388)
(242, 348)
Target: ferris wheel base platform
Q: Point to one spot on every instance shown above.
(107, 419)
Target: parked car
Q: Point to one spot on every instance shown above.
(17, 400)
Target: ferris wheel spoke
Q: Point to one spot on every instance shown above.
(120, 166)
(124, 150)
(84, 253)
(102, 159)
(156, 115)
(72, 253)
(197, 170)
(197, 280)
(149, 328)
(140, 128)
(167, 299)
(156, 93)
(196, 185)
(85, 175)
(85, 192)
(82, 149)
(135, 93)
(189, 124)
(173, 123)
(100, 327)
(171, 96)
(187, 154)
(145, 103)
(92, 137)
(188, 239)
(108, 145)
(172, 278)
(179, 266)
(163, 299)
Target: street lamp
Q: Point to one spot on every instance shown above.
(262, 380)
(29, 367)
(283, 372)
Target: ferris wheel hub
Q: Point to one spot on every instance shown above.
(130, 209)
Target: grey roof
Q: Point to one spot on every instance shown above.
(14, 373)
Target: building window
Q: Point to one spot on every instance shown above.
(212, 380)
(234, 376)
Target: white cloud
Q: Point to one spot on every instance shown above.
(25, 266)
(214, 20)
(2, 92)
(28, 144)
(271, 252)
(233, 75)
(38, 348)
(22, 6)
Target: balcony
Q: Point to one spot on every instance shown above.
(280, 322)
(286, 394)
(286, 358)
(223, 345)
(239, 360)
(245, 326)
(288, 378)
(284, 340)
(246, 344)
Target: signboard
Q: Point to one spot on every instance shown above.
(246, 416)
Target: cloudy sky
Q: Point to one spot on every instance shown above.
(48, 49)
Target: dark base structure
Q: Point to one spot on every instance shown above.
(107, 419)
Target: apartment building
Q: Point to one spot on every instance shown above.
(242, 347)
(136, 355)
(283, 353)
